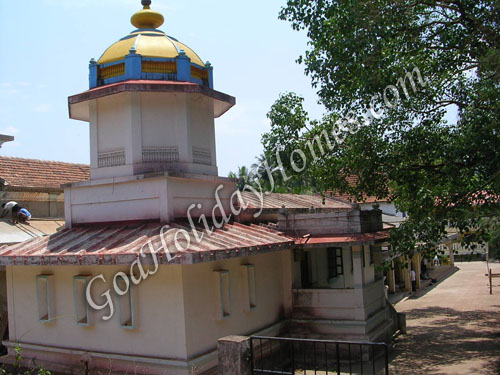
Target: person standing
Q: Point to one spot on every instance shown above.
(436, 261)
(413, 280)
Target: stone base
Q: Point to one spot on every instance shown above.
(72, 361)
(69, 361)
(377, 328)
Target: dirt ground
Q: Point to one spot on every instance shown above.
(453, 328)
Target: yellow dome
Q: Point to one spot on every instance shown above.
(148, 44)
(147, 40)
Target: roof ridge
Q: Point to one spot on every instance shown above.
(44, 161)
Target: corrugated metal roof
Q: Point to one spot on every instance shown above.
(293, 201)
(342, 240)
(393, 221)
(113, 244)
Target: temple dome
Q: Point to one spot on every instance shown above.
(148, 41)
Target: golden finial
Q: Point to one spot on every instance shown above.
(147, 18)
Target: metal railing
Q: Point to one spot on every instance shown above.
(290, 356)
(160, 155)
(111, 159)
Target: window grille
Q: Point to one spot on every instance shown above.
(335, 262)
(160, 155)
(111, 159)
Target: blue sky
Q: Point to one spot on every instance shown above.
(47, 44)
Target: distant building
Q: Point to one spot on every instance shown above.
(36, 184)
(385, 204)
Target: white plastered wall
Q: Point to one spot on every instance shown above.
(273, 292)
(201, 118)
(175, 309)
(133, 121)
(156, 198)
(158, 305)
(112, 120)
(369, 269)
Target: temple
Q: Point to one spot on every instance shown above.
(160, 257)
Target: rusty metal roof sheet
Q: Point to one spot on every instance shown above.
(342, 240)
(294, 201)
(114, 244)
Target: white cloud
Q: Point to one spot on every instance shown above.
(11, 89)
(9, 145)
(42, 108)
(10, 130)
(8, 91)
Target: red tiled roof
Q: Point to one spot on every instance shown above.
(122, 244)
(293, 201)
(32, 173)
(353, 180)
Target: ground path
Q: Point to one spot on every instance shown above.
(454, 328)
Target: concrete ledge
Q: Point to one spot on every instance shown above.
(68, 360)
(78, 107)
(352, 329)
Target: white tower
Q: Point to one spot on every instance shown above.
(151, 108)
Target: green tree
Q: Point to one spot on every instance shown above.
(242, 176)
(389, 73)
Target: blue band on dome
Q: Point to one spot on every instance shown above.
(143, 33)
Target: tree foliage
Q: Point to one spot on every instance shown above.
(417, 85)
(242, 176)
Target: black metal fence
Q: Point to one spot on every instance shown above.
(290, 356)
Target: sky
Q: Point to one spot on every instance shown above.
(47, 44)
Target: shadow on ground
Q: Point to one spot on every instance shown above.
(467, 341)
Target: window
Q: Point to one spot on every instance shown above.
(249, 287)
(126, 315)
(372, 252)
(223, 294)
(45, 297)
(81, 306)
(335, 262)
